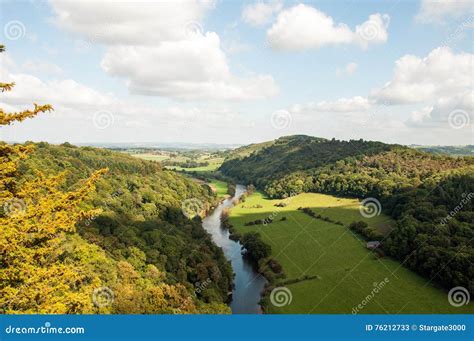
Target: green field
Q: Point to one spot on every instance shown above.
(151, 157)
(220, 188)
(214, 162)
(347, 272)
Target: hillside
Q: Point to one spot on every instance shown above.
(296, 164)
(261, 163)
(429, 196)
(141, 223)
(450, 150)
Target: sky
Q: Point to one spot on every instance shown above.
(238, 72)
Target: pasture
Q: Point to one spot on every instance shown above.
(347, 273)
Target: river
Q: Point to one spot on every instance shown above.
(248, 284)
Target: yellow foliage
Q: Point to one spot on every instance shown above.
(34, 219)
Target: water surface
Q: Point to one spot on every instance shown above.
(248, 284)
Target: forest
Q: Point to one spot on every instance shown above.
(429, 196)
(138, 243)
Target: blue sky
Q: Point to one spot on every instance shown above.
(240, 72)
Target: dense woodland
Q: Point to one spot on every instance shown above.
(141, 209)
(430, 196)
(138, 241)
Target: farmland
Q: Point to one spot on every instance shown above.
(345, 273)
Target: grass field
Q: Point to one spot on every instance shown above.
(151, 157)
(214, 162)
(220, 188)
(347, 272)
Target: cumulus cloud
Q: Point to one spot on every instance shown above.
(341, 105)
(189, 69)
(64, 93)
(440, 10)
(161, 49)
(446, 111)
(260, 13)
(303, 27)
(124, 23)
(347, 70)
(78, 100)
(78, 107)
(441, 74)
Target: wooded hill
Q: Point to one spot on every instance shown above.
(140, 245)
(420, 190)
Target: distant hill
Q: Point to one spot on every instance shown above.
(449, 150)
(300, 163)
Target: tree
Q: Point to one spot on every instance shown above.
(35, 217)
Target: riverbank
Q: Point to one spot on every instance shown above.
(248, 284)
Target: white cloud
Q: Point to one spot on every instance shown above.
(439, 113)
(64, 93)
(423, 114)
(260, 13)
(441, 74)
(75, 106)
(440, 10)
(188, 69)
(125, 23)
(160, 49)
(304, 27)
(348, 70)
(341, 105)
(42, 67)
